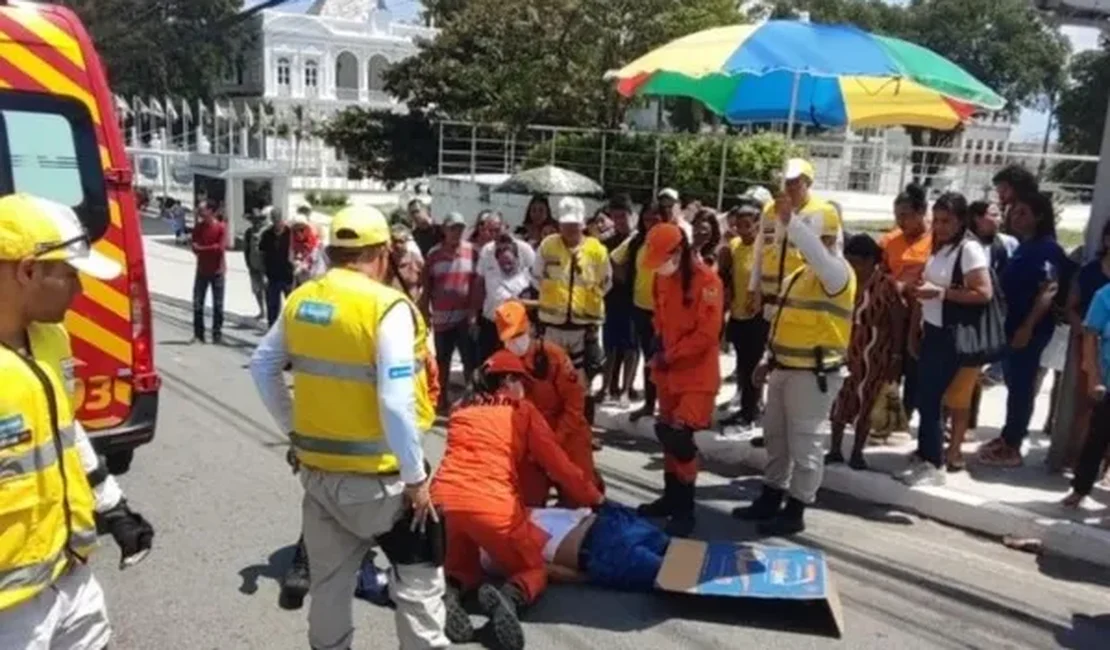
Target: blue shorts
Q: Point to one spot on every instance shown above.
(622, 550)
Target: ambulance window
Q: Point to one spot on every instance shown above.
(48, 148)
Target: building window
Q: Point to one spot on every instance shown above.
(283, 72)
(378, 65)
(311, 74)
(346, 76)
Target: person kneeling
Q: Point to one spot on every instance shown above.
(478, 489)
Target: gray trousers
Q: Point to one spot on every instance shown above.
(796, 431)
(343, 514)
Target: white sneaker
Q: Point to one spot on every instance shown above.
(924, 474)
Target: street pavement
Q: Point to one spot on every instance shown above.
(226, 509)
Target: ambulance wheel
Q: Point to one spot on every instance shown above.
(120, 462)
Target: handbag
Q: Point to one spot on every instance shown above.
(979, 331)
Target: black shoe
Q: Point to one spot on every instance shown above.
(459, 629)
(502, 605)
(664, 505)
(680, 525)
(681, 522)
(645, 411)
(834, 457)
(765, 506)
(294, 586)
(790, 521)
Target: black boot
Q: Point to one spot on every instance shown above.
(765, 506)
(662, 506)
(459, 628)
(294, 586)
(788, 522)
(681, 522)
(503, 606)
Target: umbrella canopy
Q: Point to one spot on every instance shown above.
(550, 180)
(843, 76)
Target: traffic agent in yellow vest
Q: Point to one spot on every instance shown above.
(573, 271)
(53, 489)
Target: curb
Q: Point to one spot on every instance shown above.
(1058, 536)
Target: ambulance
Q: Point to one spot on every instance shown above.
(60, 139)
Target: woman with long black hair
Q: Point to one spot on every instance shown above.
(538, 221)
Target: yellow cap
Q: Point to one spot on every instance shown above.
(36, 228)
(358, 226)
(797, 167)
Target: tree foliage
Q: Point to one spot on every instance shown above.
(157, 48)
(690, 162)
(383, 144)
(541, 61)
(1081, 113)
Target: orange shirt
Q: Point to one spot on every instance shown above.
(906, 261)
(689, 330)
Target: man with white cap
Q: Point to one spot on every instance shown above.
(55, 491)
(360, 403)
(804, 366)
(574, 274)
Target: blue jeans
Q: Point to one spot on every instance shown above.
(1020, 369)
(936, 366)
(275, 291)
(201, 284)
(623, 550)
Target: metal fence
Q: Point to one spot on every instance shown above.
(638, 162)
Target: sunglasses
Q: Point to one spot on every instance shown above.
(42, 250)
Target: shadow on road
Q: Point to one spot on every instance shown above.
(274, 569)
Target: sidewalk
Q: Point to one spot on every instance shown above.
(1019, 502)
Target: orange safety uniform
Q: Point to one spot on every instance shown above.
(478, 489)
(561, 398)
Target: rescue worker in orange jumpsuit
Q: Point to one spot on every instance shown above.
(689, 311)
(488, 436)
(552, 385)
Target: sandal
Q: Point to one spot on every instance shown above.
(957, 465)
(992, 445)
(1072, 501)
(1004, 456)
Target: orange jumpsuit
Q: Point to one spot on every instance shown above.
(689, 327)
(478, 489)
(561, 398)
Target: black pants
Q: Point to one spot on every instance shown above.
(749, 339)
(275, 291)
(645, 340)
(1094, 449)
(449, 340)
(488, 341)
(201, 284)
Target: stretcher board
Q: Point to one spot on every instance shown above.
(737, 570)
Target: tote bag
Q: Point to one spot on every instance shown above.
(979, 330)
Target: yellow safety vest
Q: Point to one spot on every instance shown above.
(47, 509)
(781, 258)
(812, 324)
(331, 325)
(573, 284)
(742, 259)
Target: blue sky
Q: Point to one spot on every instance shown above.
(1031, 126)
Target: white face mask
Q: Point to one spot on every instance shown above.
(519, 346)
(668, 267)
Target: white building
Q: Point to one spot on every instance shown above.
(321, 56)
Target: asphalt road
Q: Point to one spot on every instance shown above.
(216, 487)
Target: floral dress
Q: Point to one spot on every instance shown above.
(871, 360)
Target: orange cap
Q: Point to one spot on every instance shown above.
(660, 244)
(511, 319)
(503, 361)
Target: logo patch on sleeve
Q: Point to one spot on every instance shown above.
(316, 313)
(13, 431)
(400, 372)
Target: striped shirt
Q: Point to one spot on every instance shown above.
(450, 274)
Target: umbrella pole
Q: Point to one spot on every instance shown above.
(793, 105)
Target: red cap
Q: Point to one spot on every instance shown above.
(660, 244)
(505, 362)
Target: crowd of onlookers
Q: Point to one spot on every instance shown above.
(959, 296)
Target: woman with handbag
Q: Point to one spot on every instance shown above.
(954, 290)
(875, 351)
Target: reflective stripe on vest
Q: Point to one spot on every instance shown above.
(362, 373)
(38, 457)
(817, 305)
(339, 447)
(832, 356)
(41, 574)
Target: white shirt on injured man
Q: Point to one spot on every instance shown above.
(556, 522)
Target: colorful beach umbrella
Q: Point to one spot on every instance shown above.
(832, 75)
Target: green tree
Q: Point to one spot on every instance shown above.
(541, 61)
(383, 144)
(1004, 43)
(161, 48)
(1081, 112)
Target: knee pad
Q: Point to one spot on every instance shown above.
(682, 446)
(663, 433)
